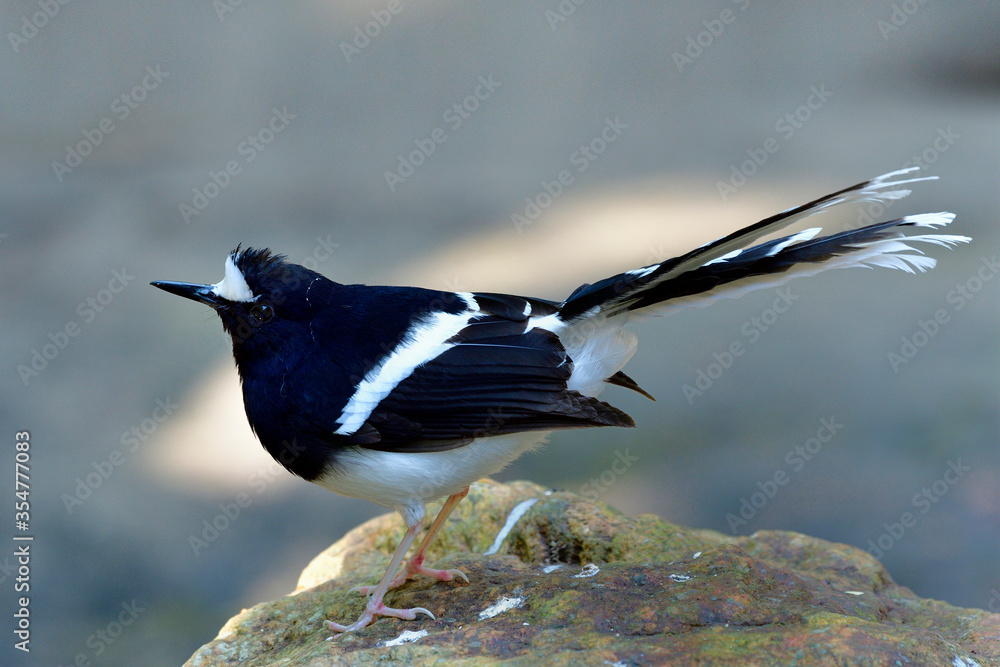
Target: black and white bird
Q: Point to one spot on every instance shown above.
(402, 395)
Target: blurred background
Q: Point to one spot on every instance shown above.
(145, 140)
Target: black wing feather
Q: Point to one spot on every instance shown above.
(498, 378)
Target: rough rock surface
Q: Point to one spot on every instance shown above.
(576, 583)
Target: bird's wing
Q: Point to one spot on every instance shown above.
(497, 373)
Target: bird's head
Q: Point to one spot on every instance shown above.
(262, 299)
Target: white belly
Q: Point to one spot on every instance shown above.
(402, 480)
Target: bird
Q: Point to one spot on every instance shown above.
(405, 395)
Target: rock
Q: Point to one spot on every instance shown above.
(577, 583)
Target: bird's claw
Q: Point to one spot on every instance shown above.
(419, 610)
(456, 573)
(440, 575)
(363, 590)
(379, 610)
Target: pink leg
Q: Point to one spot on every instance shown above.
(415, 565)
(375, 607)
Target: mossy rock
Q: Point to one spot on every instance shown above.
(582, 584)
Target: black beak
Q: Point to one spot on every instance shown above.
(199, 293)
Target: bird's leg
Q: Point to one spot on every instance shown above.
(415, 565)
(375, 607)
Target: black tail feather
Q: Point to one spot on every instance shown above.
(729, 260)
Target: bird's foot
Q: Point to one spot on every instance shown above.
(440, 575)
(413, 568)
(367, 590)
(379, 609)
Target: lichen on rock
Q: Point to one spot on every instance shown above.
(578, 583)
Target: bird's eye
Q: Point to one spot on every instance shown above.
(261, 314)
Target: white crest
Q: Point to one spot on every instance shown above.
(233, 286)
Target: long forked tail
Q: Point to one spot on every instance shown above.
(732, 266)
